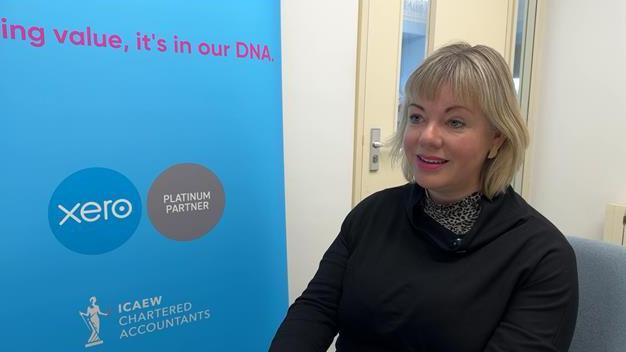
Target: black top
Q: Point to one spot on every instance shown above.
(396, 280)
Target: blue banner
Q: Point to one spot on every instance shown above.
(142, 194)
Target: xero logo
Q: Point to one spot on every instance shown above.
(94, 211)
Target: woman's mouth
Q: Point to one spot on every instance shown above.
(430, 163)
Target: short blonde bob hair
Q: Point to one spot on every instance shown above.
(478, 76)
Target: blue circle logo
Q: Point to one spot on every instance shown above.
(94, 211)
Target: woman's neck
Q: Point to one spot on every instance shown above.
(445, 199)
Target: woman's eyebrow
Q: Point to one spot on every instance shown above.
(450, 108)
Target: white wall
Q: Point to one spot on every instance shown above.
(580, 135)
(319, 40)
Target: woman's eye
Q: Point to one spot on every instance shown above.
(416, 118)
(456, 123)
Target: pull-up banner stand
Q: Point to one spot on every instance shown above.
(142, 201)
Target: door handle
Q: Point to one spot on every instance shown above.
(375, 146)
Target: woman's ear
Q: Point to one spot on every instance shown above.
(498, 140)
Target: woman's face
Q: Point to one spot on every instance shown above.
(447, 143)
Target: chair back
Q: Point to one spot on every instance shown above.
(601, 323)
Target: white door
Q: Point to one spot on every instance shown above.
(384, 25)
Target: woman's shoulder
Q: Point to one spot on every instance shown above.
(509, 217)
(540, 231)
(389, 198)
(398, 193)
(387, 204)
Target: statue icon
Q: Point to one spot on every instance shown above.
(92, 319)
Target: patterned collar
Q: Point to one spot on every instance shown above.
(458, 217)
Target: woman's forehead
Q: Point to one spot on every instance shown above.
(460, 90)
(445, 97)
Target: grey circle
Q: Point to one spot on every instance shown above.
(185, 202)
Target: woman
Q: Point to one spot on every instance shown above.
(93, 317)
(455, 260)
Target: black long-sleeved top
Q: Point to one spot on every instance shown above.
(396, 280)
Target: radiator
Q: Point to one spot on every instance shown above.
(614, 223)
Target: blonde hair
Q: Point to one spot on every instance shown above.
(479, 76)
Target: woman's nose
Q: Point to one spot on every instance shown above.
(430, 136)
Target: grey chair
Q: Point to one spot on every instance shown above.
(601, 324)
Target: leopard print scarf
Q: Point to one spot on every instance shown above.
(458, 217)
